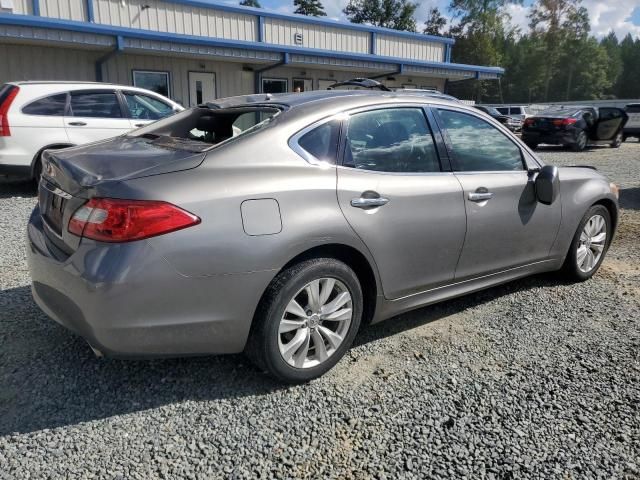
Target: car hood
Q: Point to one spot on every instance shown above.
(114, 160)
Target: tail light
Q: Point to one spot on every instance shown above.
(563, 122)
(528, 122)
(117, 220)
(6, 98)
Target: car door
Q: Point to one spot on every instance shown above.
(610, 122)
(506, 226)
(144, 109)
(394, 193)
(94, 115)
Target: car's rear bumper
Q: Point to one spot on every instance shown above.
(563, 138)
(127, 301)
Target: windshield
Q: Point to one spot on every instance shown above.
(199, 129)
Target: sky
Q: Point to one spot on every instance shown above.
(621, 16)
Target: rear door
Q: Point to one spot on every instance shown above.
(610, 122)
(506, 225)
(95, 115)
(398, 198)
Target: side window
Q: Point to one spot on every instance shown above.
(95, 104)
(516, 111)
(144, 107)
(478, 146)
(391, 140)
(503, 110)
(52, 106)
(322, 141)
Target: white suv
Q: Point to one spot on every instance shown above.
(35, 116)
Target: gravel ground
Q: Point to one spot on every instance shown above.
(534, 379)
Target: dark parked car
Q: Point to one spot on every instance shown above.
(511, 123)
(632, 127)
(575, 127)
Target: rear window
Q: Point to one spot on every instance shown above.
(199, 129)
(49, 106)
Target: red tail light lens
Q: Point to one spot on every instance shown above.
(5, 103)
(528, 122)
(117, 220)
(564, 122)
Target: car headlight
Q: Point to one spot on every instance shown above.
(615, 190)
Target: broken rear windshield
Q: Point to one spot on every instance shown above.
(199, 129)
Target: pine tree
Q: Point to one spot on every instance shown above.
(396, 14)
(250, 3)
(435, 23)
(311, 8)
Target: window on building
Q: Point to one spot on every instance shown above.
(478, 146)
(274, 85)
(391, 140)
(50, 106)
(322, 141)
(155, 81)
(144, 107)
(95, 104)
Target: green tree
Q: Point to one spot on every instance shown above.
(435, 23)
(614, 60)
(627, 85)
(312, 8)
(250, 3)
(396, 14)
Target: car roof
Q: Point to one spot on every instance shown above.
(63, 82)
(328, 98)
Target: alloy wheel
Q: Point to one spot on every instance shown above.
(591, 244)
(315, 323)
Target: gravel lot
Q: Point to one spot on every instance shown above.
(535, 379)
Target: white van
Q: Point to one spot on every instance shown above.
(35, 116)
(632, 127)
(520, 112)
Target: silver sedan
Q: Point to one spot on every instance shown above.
(278, 225)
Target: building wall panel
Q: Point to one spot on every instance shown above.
(23, 7)
(176, 18)
(65, 9)
(27, 62)
(282, 32)
(410, 48)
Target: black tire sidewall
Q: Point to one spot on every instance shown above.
(576, 146)
(571, 265)
(284, 287)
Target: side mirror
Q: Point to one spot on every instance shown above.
(547, 184)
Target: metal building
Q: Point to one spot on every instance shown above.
(197, 50)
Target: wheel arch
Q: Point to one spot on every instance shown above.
(53, 146)
(612, 208)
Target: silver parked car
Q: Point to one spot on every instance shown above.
(277, 225)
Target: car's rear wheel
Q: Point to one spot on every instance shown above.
(581, 142)
(306, 320)
(589, 244)
(617, 141)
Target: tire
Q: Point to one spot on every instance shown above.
(571, 267)
(268, 345)
(580, 143)
(617, 141)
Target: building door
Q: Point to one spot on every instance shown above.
(202, 87)
(302, 85)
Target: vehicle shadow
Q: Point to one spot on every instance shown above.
(17, 188)
(630, 198)
(49, 377)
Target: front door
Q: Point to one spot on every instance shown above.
(94, 115)
(394, 194)
(506, 226)
(610, 122)
(202, 88)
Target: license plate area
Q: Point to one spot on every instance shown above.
(52, 202)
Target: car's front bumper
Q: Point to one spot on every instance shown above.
(127, 301)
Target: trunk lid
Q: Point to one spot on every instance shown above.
(71, 176)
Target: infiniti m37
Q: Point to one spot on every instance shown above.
(277, 225)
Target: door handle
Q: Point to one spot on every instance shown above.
(139, 124)
(77, 124)
(479, 197)
(369, 202)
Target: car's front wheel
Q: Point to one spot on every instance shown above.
(589, 244)
(306, 320)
